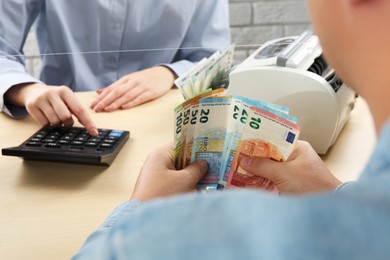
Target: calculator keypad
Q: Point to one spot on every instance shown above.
(71, 144)
(74, 139)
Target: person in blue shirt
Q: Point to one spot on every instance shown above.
(130, 51)
(315, 217)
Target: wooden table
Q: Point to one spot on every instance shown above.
(48, 209)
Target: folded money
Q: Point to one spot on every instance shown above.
(224, 129)
(206, 74)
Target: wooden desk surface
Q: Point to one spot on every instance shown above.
(48, 209)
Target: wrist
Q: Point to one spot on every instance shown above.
(18, 94)
(170, 74)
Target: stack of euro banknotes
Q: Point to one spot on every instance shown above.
(224, 129)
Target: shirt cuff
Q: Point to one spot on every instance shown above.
(180, 67)
(15, 111)
(7, 82)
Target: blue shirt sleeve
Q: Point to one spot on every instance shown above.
(254, 225)
(15, 23)
(97, 237)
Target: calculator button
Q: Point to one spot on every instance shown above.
(105, 145)
(91, 144)
(33, 144)
(109, 141)
(52, 145)
(103, 132)
(116, 133)
(74, 131)
(94, 139)
(82, 139)
(48, 140)
(112, 138)
(77, 142)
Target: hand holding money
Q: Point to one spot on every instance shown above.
(159, 178)
(223, 130)
(303, 173)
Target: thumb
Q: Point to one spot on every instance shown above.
(263, 167)
(195, 171)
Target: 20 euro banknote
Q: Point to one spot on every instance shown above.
(209, 138)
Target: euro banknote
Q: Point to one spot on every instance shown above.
(238, 116)
(265, 135)
(206, 74)
(209, 138)
(223, 129)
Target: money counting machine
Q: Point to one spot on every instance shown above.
(292, 72)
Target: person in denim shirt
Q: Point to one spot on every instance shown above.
(315, 217)
(129, 51)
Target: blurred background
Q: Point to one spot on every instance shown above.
(252, 22)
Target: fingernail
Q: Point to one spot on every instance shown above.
(246, 162)
(109, 108)
(128, 105)
(202, 163)
(97, 108)
(94, 131)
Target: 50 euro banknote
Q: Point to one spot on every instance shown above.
(265, 135)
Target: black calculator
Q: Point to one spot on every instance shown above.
(71, 144)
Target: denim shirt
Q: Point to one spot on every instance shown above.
(352, 222)
(89, 44)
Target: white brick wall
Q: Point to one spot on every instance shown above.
(253, 22)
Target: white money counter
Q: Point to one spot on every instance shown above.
(292, 72)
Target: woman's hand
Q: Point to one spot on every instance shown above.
(134, 89)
